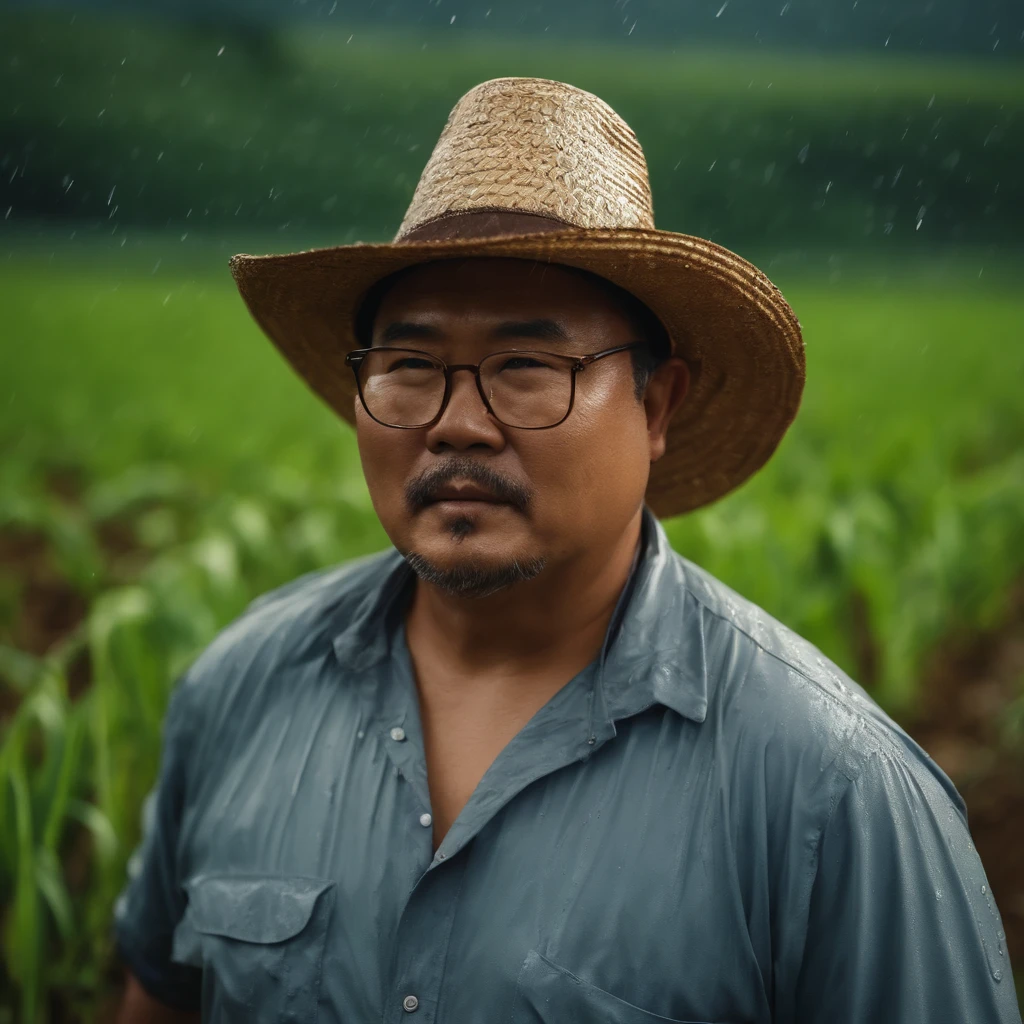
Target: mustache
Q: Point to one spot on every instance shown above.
(422, 491)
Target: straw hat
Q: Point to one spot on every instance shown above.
(574, 174)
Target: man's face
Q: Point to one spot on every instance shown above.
(566, 491)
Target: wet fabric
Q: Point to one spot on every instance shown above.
(710, 823)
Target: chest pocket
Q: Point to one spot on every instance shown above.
(549, 994)
(260, 942)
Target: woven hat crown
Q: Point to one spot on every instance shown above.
(535, 146)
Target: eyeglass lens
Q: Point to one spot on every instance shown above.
(525, 389)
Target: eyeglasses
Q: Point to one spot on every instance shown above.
(406, 388)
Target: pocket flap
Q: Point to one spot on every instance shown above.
(549, 994)
(252, 908)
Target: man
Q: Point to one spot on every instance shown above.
(531, 765)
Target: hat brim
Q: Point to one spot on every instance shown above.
(724, 316)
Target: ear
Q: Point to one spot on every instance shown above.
(665, 393)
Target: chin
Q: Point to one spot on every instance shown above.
(464, 566)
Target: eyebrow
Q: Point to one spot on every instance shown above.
(540, 329)
(404, 330)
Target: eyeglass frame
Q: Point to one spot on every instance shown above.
(355, 358)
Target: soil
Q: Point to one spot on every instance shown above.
(969, 689)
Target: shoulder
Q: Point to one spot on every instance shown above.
(283, 635)
(779, 699)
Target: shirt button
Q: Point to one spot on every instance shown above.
(410, 1004)
(398, 734)
(426, 820)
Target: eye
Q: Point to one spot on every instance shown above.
(523, 363)
(411, 363)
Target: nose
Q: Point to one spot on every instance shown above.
(465, 422)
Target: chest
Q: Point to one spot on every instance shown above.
(560, 867)
(464, 735)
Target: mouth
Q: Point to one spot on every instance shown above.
(465, 496)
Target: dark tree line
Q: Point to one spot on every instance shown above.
(993, 28)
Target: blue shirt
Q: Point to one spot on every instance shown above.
(710, 823)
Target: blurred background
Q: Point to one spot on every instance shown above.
(160, 465)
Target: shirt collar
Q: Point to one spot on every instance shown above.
(653, 652)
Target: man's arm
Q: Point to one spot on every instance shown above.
(139, 1007)
(902, 924)
(154, 902)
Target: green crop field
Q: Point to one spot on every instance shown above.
(160, 464)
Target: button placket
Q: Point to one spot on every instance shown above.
(424, 933)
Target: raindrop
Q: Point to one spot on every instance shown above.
(220, 51)
(887, 38)
(111, 196)
(713, 162)
(938, 894)
(722, 8)
(452, 22)
(785, 7)
(802, 155)
(998, 975)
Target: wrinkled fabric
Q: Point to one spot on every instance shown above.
(710, 823)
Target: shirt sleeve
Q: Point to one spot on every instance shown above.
(153, 901)
(902, 924)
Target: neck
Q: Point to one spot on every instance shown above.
(558, 619)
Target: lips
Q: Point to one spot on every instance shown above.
(466, 492)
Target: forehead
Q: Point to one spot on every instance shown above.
(489, 290)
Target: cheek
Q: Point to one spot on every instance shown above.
(385, 456)
(601, 455)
